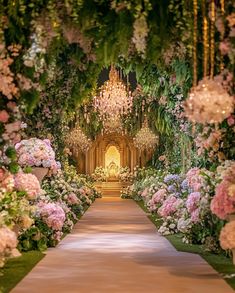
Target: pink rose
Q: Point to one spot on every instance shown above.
(4, 116)
(224, 47)
(13, 127)
(231, 120)
(11, 105)
(2, 174)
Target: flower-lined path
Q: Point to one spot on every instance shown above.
(115, 248)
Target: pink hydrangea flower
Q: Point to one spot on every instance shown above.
(157, 198)
(168, 207)
(227, 236)
(222, 204)
(72, 199)
(194, 179)
(52, 214)
(36, 152)
(144, 193)
(192, 201)
(195, 216)
(6, 181)
(28, 183)
(8, 240)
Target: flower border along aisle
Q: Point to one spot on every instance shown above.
(223, 205)
(195, 205)
(34, 217)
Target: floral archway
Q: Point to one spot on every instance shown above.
(174, 70)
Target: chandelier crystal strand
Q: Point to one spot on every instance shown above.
(78, 140)
(195, 42)
(222, 36)
(205, 39)
(114, 98)
(113, 124)
(145, 139)
(212, 40)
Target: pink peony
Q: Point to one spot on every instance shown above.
(227, 236)
(4, 116)
(28, 183)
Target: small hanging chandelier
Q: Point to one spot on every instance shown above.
(113, 124)
(114, 98)
(78, 140)
(145, 139)
(208, 101)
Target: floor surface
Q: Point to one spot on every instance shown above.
(115, 248)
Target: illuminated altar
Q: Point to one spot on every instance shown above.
(111, 151)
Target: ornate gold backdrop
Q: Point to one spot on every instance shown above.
(129, 155)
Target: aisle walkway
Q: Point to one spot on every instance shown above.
(115, 248)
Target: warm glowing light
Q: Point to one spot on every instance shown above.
(78, 139)
(114, 98)
(145, 139)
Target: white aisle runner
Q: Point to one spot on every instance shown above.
(115, 248)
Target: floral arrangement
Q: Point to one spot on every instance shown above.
(223, 203)
(28, 183)
(124, 174)
(157, 200)
(51, 214)
(59, 189)
(8, 245)
(99, 174)
(65, 197)
(35, 152)
(227, 236)
(140, 34)
(16, 210)
(181, 203)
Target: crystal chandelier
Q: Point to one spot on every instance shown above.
(145, 139)
(114, 98)
(208, 102)
(78, 140)
(113, 124)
